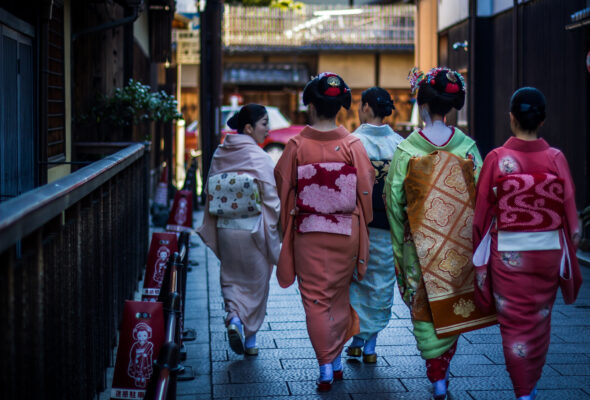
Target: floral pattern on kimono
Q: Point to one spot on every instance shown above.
(326, 197)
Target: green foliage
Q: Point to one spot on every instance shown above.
(132, 105)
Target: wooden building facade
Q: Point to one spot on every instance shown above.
(58, 56)
(503, 45)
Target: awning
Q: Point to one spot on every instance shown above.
(579, 19)
(265, 74)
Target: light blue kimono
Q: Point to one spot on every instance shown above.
(372, 298)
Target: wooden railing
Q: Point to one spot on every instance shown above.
(71, 252)
(317, 26)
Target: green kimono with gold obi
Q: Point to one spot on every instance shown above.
(407, 263)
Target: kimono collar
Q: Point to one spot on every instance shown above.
(339, 133)
(526, 146)
(417, 139)
(374, 130)
(237, 139)
(240, 152)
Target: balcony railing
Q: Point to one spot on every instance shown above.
(71, 252)
(319, 27)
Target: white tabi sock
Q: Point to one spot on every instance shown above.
(370, 345)
(250, 341)
(337, 364)
(357, 342)
(326, 373)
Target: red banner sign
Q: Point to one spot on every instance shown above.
(163, 245)
(141, 337)
(181, 216)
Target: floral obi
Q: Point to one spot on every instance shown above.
(381, 168)
(326, 197)
(530, 202)
(234, 196)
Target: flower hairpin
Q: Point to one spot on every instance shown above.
(415, 77)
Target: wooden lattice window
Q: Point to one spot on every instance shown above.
(55, 90)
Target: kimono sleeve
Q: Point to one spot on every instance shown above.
(477, 161)
(286, 179)
(270, 211)
(571, 212)
(482, 221)
(365, 183)
(208, 229)
(395, 204)
(484, 199)
(395, 201)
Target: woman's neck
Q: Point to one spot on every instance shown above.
(374, 121)
(525, 135)
(324, 124)
(436, 118)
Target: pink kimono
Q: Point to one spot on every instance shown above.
(325, 233)
(247, 253)
(525, 216)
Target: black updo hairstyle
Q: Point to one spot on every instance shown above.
(442, 89)
(249, 114)
(379, 100)
(327, 92)
(528, 107)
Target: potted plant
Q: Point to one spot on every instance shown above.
(132, 105)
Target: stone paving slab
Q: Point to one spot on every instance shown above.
(286, 367)
(541, 395)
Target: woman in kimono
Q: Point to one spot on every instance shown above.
(525, 230)
(240, 224)
(325, 180)
(430, 193)
(372, 297)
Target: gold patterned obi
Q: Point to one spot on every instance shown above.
(440, 192)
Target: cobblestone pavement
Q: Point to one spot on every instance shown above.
(286, 366)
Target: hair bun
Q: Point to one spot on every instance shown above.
(442, 89)
(233, 121)
(528, 107)
(327, 86)
(379, 100)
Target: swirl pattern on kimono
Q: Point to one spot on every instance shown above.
(530, 202)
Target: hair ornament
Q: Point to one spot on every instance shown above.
(332, 91)
(455, 83)
(334, 84)
(333, 81)
(452, 77)
(415, 77)
(452, 88)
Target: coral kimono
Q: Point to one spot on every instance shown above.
(429, 205)
(247, 245)
(525, 216)
(325, 181)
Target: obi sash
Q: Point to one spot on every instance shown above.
(234, 198)
(440, 192)
(530, 211)
(530, 202)
(326, 197)
(381, 168)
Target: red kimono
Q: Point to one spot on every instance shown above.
(525, 217)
